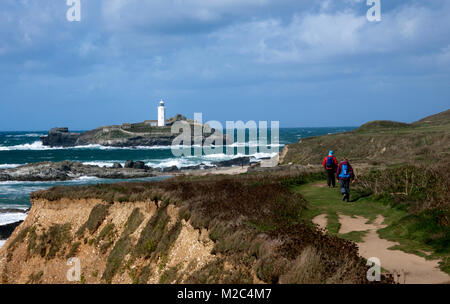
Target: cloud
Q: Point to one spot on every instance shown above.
(192, 48)
(321, 37)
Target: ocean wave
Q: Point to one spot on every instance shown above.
(14, 206)
(38, 146)
(25, 135)
(9, 218)
(85, 179)
(193, 160)
(9, 166)
(107, 164)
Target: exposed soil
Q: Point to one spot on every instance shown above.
(407, 268)
(321, 221)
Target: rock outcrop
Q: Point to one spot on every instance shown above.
(238, 161)
(67, 170)
(7, 230)
(127, 135)
(60, 137)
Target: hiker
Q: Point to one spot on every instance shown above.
(345, 174)
(330, 164)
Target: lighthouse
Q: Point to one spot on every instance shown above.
(161, 114)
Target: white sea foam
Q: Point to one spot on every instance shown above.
(9, 218)
(25, 135)
(9, 166)
(107, 164)
(37, 145)
(209, 159)
(2, 243)
(85, 178)
(13, 206)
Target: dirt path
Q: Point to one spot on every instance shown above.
(407, 268)
(339, 218)
(321, 220)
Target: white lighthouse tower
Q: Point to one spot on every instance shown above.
(161, 114)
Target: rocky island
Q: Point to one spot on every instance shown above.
(143, 134)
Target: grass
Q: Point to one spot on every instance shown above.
(324, 200)
(355, 236)
(413, 232)
(380, 143)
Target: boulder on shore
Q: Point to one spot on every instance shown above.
(117, 166)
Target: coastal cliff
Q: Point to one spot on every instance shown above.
(239, 229)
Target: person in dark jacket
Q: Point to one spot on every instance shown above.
(345, 175)
(330, 164)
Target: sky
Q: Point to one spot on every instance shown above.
(300, 62)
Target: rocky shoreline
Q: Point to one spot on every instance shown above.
(68, 170)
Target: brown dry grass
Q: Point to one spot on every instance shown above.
(255, 221)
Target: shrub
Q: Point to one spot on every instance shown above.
(96, 217)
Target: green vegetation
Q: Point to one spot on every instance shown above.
(35, 277)
(412, 199)
(324, 200)
(73, 250)
(134, 220)
(143, 276)
(380, 143)
(49, 243)
(98, 214)
(123, 246)
(19, 238)
(423, 192)
(169, 275)
(116, 258)
(106, 237)
(152, 234)
(408, 181)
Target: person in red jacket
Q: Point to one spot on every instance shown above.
(345, 175)
(330, 164)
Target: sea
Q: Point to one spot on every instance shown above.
(25, 147)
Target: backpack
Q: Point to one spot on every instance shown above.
(345, 173)
(330, 163)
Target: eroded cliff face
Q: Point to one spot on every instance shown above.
(139, 242)
(203, 229)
